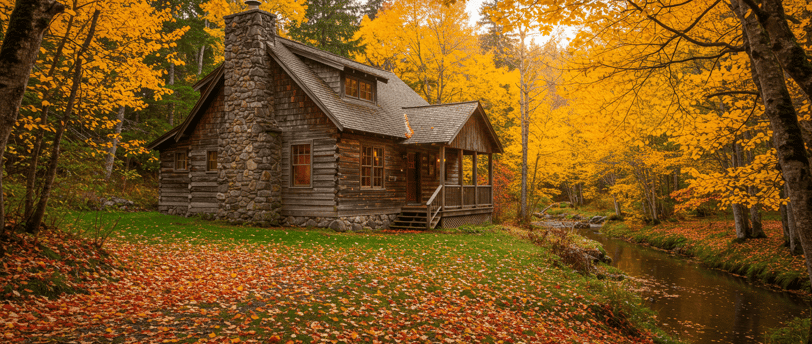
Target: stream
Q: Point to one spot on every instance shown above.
(699, 304)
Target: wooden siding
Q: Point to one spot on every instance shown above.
(474, 136)
(354, 200)
(330, 75)
(301, 121)
(194, 188)
(203, 183)
(173, 185)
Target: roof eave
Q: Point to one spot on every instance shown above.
(199, 105)
(161, 139)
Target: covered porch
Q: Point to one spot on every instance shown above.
(458, 189)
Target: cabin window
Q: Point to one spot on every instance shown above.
(211, 161)
(372, 167)
(181, 161)
(300, 157)
(357, 88)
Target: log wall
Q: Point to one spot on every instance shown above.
(203, 183)
(301, 121)
(192, 190)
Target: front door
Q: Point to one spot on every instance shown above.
(413, 178)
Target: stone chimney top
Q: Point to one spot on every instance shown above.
(252, 4)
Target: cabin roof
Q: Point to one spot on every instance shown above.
(396, 102)
(442, 123)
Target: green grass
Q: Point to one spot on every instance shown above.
(431, 280)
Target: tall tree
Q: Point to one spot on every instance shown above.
(21, 44)
(496, 38)
(330, 25)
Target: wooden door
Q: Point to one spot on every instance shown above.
(413, 178)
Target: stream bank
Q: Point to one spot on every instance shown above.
(693, 301)
(713, 242)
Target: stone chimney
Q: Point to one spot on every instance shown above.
(249, 154)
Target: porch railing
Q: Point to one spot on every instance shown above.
(432, 209)
(467, 196)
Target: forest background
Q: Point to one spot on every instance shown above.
(626, 112)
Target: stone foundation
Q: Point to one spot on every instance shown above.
(342, 224)
(173, 210)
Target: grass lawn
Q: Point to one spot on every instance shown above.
(190, 280)
(713, 241)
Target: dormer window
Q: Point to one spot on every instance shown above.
(359, 89)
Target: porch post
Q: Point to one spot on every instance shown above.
(442, 176)
(462, 184)
(476, 183)
(490, 175)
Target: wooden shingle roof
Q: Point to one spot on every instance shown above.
(396, 101)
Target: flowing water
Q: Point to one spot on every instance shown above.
(699, 304)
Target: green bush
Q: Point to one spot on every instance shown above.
(794, 331)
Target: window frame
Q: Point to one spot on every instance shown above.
(185, 155)
(373, 85)
(372, 168)
(209, 168)
(292, 177)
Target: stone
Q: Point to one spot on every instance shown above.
(324, 223)
(356, 227)
(251, 165)
(338, 226)
(311, 223)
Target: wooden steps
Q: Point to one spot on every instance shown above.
(413, 218)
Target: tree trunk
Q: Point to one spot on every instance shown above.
(787, 136)
(789, 53)
(523, 109)
(170, 83)
(111, 153)
(580, 193)
(31, 174)
(742, 230)
(200, 60)
(794, 239)
(676, 179)
(617, 205)
(756, 229)
(21, 43)
(33, 225)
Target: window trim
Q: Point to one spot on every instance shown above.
(372, 168)
(185, 154)
(372, 83)
(216, 161)
(291, 182)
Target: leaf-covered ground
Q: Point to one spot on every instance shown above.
(713, 241)
(186, 280)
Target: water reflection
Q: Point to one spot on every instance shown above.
(699, 304)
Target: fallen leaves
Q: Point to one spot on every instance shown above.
(383, 288)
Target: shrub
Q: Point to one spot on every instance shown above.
(794, 331)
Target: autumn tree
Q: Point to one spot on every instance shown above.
(21, 43)
(655, 39)
(93, 63)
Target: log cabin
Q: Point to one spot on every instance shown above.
(287, 134)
